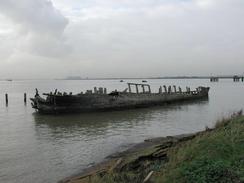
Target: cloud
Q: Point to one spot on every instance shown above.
(107, 38)
(37, 16)
(159, 36)
(39, 24)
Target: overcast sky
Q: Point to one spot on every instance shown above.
(120, 38)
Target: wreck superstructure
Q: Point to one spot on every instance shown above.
(99, 99)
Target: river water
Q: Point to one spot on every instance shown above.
(46, 148)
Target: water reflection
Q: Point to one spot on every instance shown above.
(99, 123)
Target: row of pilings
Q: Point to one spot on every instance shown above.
(235, 79)
(6, 98)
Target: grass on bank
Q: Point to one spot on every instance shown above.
(213, 156)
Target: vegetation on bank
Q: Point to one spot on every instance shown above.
(212, 156)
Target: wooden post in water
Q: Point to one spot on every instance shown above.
(149, 88)
(100, 90)
(180, 90)
(169, 89)
(143, 88)
(160, 89)
(25, 98)
(6, 99)
(188, 89)
(129, 87)
(137, 91)
(165, 89)
(95, 90)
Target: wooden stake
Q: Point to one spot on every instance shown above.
(6, 98)
(25, 98)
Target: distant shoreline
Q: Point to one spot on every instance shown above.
(166, 77)
(127, 78)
